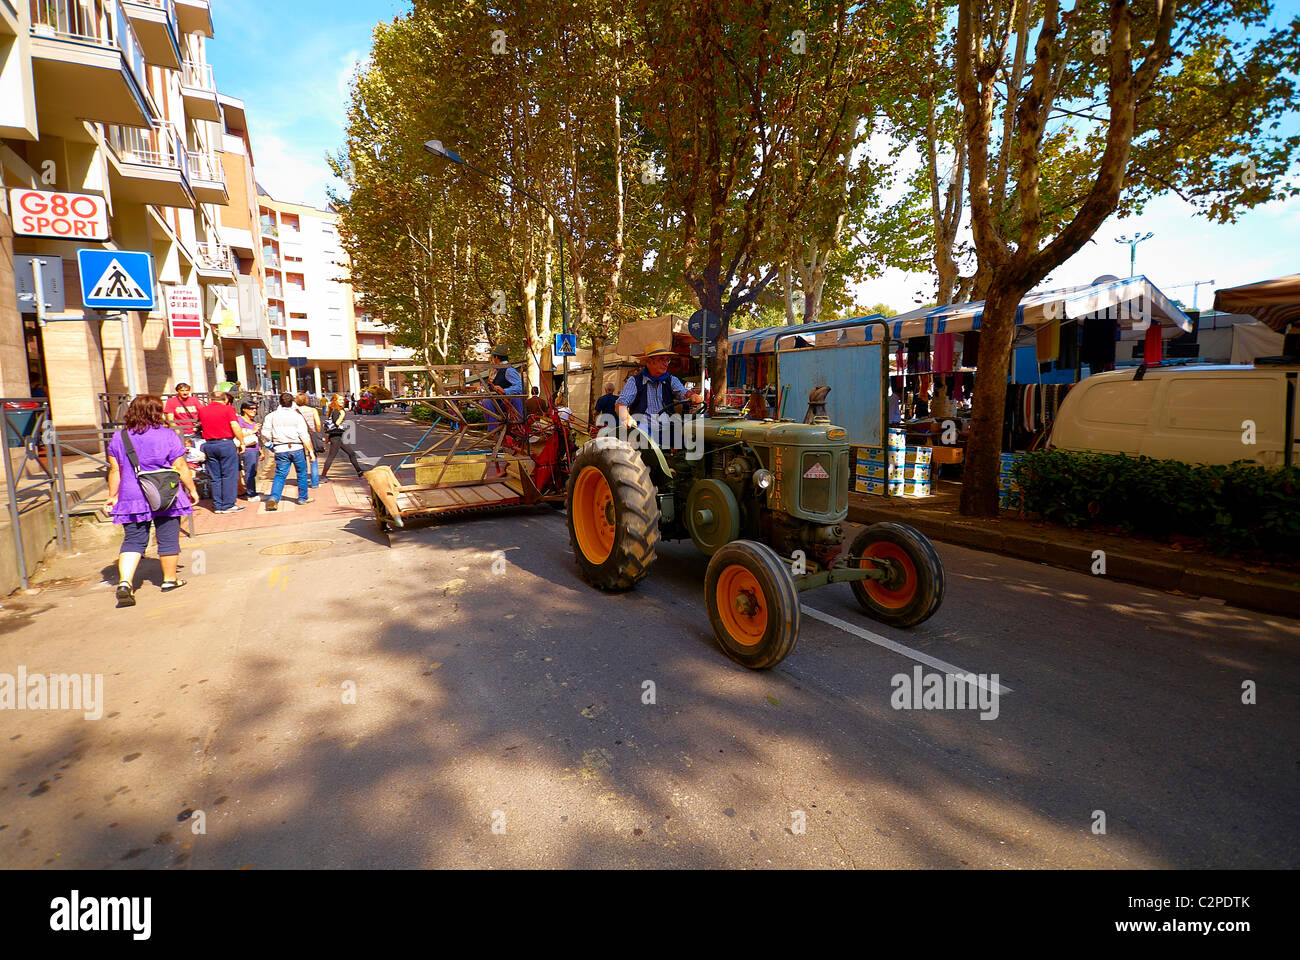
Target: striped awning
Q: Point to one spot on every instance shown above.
(1134, 302)
(1276, 302)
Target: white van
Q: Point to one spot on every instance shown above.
(1197, 414)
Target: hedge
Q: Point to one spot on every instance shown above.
(1240, 507)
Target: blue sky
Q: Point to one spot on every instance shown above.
(290, 61)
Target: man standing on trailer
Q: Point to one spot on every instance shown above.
(505, 382)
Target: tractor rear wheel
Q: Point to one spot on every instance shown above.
(753, 604)
(913, 590)
(613, 514)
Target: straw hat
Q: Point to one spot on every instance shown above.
(656, 348)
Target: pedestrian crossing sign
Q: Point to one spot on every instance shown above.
(566, 344)
(116, 279)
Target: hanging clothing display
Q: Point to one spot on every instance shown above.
(1069, 355)
(1099, 336)
(970, 349)
(1153, 348)
(1048, 343)
(945, 345)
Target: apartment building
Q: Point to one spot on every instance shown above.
(115, 99)
(308, 298)
(240, 312)
(377, 353)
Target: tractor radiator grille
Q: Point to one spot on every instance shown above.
(817, 473)
(842, 480)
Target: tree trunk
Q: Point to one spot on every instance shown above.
(979, 490)
(597, 377)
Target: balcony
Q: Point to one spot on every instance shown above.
(87, 65)
(275, 316)
(194, 17)
(215, 263)
(373, 353)
(274, 291)
(208, 178)
(155, 24)
(199, 91)
(269, 228)
(148, 165)
(269, 260)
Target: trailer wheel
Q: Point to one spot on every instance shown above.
(914, 589)
(613, 514)
(753, 604)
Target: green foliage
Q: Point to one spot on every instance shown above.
(422, 412)
(1240, 507)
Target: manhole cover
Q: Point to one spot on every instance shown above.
(294, 547)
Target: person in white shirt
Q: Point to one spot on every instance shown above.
(285, 432)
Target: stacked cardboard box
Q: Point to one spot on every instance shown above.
(1008, 489)
(901, 470)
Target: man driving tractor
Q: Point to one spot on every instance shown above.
(652, 389)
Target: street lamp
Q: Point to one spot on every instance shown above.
(1132, 242)
(436, 148)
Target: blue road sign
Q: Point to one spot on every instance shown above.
(116, 279)
(566, 344)
(297, 361)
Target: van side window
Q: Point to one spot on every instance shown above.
(1124, 401)
(1220, 404)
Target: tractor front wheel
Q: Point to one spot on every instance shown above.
(753, 604)
(912, 589)
(613, 514)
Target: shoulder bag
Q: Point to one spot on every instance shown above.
(158, 486)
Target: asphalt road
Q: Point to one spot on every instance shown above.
(503, 717)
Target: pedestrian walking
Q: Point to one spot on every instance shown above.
(146, 447)
(334, 418)
(307, 407)
(251, 455)
(223, 446)
(285, 432)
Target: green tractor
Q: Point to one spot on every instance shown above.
(765, 501)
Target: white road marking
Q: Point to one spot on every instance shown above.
(900, 648)
(391, 437)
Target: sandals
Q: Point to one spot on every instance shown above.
(169, 585)
(125, 595)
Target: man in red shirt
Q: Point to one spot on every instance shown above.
(223, 446)
(182, 410)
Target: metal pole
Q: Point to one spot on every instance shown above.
(11, 487)
(39, 283)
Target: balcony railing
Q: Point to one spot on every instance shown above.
(198, 75)
(158, 146)
(102, 24)
(270, 260)
(275, 316)
(274, 292)
(215, 256)
(206, 166)
(269, 229)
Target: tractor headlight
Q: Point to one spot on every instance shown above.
(763, 479)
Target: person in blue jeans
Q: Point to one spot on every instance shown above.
(248, 421)
(223, 446)
(285, 432)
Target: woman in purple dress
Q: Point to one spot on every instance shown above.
(156, 448)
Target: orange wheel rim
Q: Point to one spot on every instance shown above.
(593, 515)
(741, 605)
(894, 599)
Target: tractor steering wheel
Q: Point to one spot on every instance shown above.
(689, 408)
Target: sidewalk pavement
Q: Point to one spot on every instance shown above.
(1258, 586)
(339, 498)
